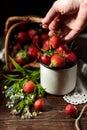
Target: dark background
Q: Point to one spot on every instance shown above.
(23, 7)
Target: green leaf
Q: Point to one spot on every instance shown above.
(20, 106)
(11, 78)
(40, 90)
(17, 66)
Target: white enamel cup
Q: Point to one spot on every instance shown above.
(58, 81)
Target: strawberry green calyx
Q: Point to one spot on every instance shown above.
(53, 64)
(22, 54)
(57, 61)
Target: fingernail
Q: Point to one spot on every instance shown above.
(44, 26)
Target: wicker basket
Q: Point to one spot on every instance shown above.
(13, 23)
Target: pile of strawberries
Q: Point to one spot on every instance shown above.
(56, 53)
(31, 43)
(24, 41)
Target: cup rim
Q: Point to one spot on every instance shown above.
(59, 68)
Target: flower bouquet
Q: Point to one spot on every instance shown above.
(24, 93)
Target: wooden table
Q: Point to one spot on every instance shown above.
(53, 118)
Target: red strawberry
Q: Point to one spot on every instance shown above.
(55, 41)
(44, 36)
(45, 59)
(36, 40)
(19, 60)
(22, 36)
(71, 109)
(21, 57)
(31, 33)
(29, 87)
(46, 45)
(16, 46)
(57, 61)
(33, 52)
(70, 56)
(39, 104)
(62, 50)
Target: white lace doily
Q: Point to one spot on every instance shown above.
(79, 95)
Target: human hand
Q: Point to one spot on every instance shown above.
(69, 15)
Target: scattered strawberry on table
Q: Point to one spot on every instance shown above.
(39, 104)
(71, 109)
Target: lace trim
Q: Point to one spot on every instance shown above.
(79, 95)
(76, 98)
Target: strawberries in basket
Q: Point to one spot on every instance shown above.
(25, 43)
(30, 43)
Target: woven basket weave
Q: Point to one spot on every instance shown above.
(11, 24)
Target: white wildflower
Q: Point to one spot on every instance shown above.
(21, 90)
(5, 87)
(14, 111)
(22, 97)
(11, 97)
(9, 104)
(27, 115)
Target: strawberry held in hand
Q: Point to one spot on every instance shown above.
(55, 41)
(57, 61)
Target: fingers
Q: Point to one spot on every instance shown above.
(54, 24)
(79, 24)
(81, 20)
(50, 16)
(70, 36)
(67, 14)
(59, 7)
